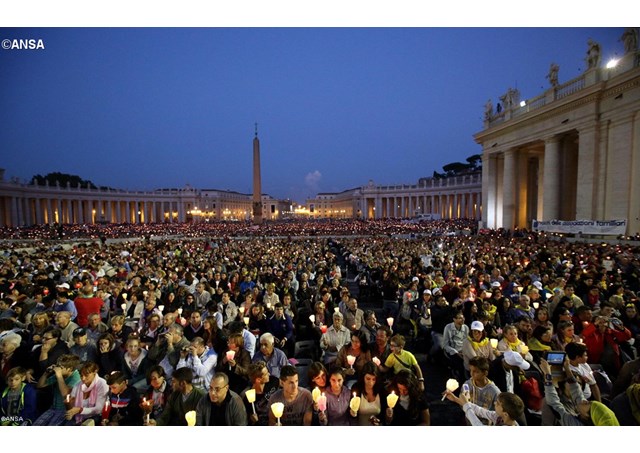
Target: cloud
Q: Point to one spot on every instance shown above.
(312, 180)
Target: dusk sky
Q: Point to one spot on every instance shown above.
(148, 108)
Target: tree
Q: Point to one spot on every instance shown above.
(62, 179)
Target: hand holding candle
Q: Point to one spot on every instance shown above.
(354, 404)
(390, 321)
(251, 397)
(494, 343)
(230, 356)
(277, 409)
(190, 417)
(392, 399)
(351, 360)
(376, 361)
(452, 386)
(322, 403)
(315, 393)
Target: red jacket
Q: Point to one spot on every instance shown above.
(85, 307)
(595, 341)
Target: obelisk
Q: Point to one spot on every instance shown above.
(257, 183)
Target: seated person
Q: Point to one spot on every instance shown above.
(509, 408)
(124, 408)
(61, 377)
(18, 401)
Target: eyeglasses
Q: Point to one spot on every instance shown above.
(47, 338)
(217, 389)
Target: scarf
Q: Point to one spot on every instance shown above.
(537, 345)
(513, 346)
(84, 392)
(601, 415)
(478, 344)
(633, 394)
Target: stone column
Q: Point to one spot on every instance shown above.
(489, 192)
(508, 191)
(551, 178)
(586, 183)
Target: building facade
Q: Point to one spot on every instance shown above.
(571, 153)
(451, 198)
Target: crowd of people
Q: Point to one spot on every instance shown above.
(317, 323)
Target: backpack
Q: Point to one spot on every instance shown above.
(531, 394)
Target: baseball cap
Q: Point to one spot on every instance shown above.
(426, 291)
(63, 285)
(515, 359)
(477, 325)
(79, 332)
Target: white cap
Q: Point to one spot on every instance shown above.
(477, 325)
(515, 359)
(538, 285)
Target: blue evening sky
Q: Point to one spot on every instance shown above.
(147, 108)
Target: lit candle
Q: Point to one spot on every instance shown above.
(315, 393)
(241, 310)
(351, 360)
(390, 321)
(124, 296)
(536, 305)
(548, 295)
(105, 410)
(145, 293)
(277, 409)
(494, 343)
(336, 309)
(161, 308)
(124, 307)
(179, 311)
(392, 399)
(322, 403)
(354, 404)
(312, 318)
(323, 328)
(145, 405)
(251, 397)
(452, 385)
(190, 417)
(376, 361)
(520, 289)
(268, 305)
(246, 320)
(45, 291)
(230, 356)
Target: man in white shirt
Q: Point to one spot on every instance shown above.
(201, 360)
(577, 355)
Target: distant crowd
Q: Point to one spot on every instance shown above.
(233, 324)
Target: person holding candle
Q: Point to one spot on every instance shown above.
(298, 402)
(338, 396)
(158, 391)
(476, 345)
(222, 406)
(184, 398)
(235, 363)
(452, 341)
(411, 408)
(88, 397)
(400, 360)
(62, 377)
(509, 408)
(370, 326)
(373, 401)
(334, 339)
(264, 385)
(123, 402)
(357, 349)
(317, 375)
(353, 316)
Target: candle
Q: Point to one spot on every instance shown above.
(452, 385)
(124, 296)
(351, 360)
(392, 399)
(251, 397)
(322, 402)
(548, 295)
(241, 310)
(45, 291)
(161, 308)
(268, 305)
(105, 410)
(323, 328)
(520, 289)
(145, 293)
(190, 417)
(312, 318)
(536, 305)
(494, 343)
(390, 321)
(336, 309)
(277, 409)
(179, 311)
(315, 393)
(354, 404)
(376, 361)
(124, 307)
(231, 355)
(146, 407)
(78, 285)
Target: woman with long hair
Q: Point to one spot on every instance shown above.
(412, 408)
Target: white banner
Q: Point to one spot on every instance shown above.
(597, 227)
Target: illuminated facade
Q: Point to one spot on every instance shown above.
(571, 153)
